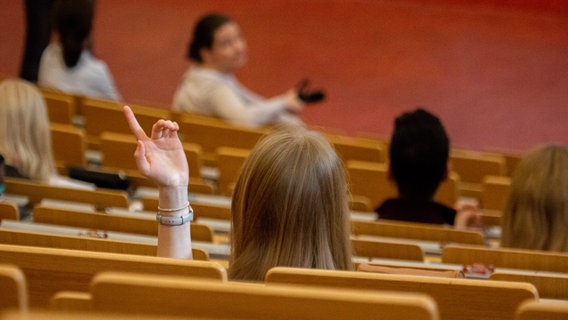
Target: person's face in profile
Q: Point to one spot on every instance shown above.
(229, 50)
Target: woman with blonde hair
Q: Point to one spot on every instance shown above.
(536, 214)
(25, 137)
(289, 206)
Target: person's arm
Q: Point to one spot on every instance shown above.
(230, 106)
(162, 159)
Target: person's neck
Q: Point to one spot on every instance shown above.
(214, 67)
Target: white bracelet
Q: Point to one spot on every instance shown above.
(174, 210)
(175, 221)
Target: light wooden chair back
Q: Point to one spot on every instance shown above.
(472, 167)
(211, 133)
(69, 145)
(506, 258)
(118, 152)
(359, 149)
(539, 310)
(84, 242)
(456, 298)
(371, 180)
(103, 115)
(49, 270)
(14, 288)
(229, 163)
(238, 300)
(387, 250)
(9, 210)
(45, 314)
(100, 198)
(61, 107)
(418, 231)
(141, 224)
(494, 192)
(549, 286)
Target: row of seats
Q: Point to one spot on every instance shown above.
(97, 281)
(473, 172)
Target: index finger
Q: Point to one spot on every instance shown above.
(133, 124)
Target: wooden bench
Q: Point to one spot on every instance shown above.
(100, 198)
(49, 270)
(69, 145)
(533, 310)
(456, 298)
(238, 300)
(9, 210)
(86, 242)
(137, 223)
(14, 288)
(419, 231)
(549, 286)
(506, 258)
(387, 250)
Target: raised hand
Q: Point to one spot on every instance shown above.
(161, 156)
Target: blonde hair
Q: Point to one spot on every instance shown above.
(25, 137)
(290, 207)
(536, 214)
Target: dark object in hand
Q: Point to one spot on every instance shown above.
(307, 95)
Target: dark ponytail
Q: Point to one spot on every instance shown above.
(203, 34)
(73, 22)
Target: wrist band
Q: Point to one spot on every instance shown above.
(174, 210)
(175, 221)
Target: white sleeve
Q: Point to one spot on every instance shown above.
(105, 84)
(229, 106)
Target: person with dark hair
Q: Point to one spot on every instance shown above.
(209, 87)
(38, 31)
(68, 63)
(419, 152)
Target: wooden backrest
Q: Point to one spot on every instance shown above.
(506, 258)
(212, 133)
(118, 152)
(360, 149)
(456, 298)
(45, 314)
(69, 145)
(104, 115)
(137, 224)
(472, 167)
(49, 270)
(419, 231)
(229, 163)
(387, 250)
(494, 192)
(371, 180)
(86, 242)
(9, 210)
(549, 286)
(61, 107)
(100, 198)
(237, 300)
(540, 310)
(14, 287)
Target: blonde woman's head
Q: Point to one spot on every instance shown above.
(536, 215)
(25, 139)
(290, 206)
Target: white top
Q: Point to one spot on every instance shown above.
(212, 93)
(90, 77)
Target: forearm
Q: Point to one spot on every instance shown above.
(174, 241)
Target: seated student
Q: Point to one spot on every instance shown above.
(209, 87)
(536, 214)
(289, 207)
(419, 151)
(25, 137)
(67, 64)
